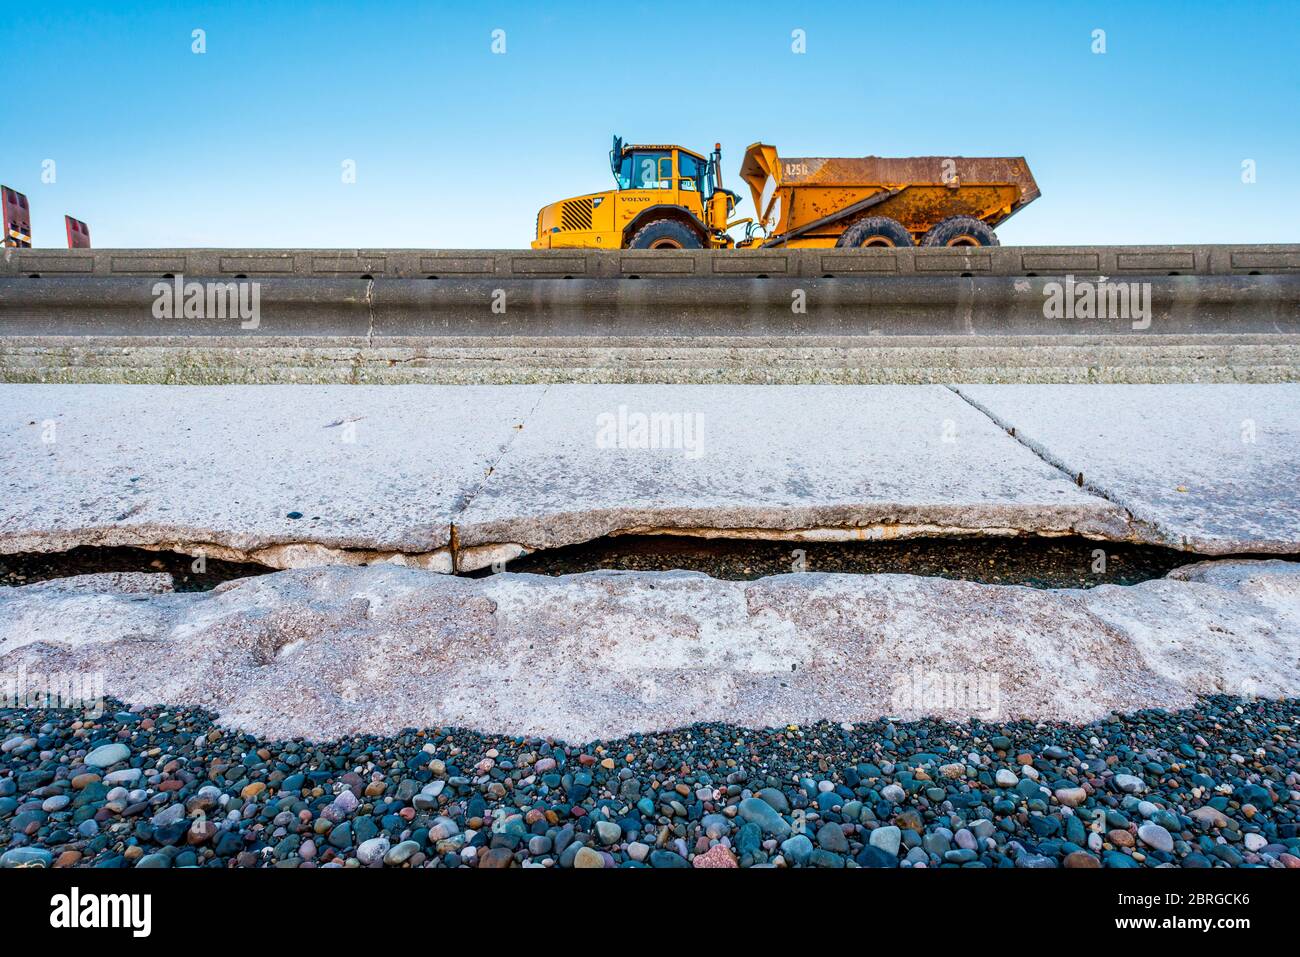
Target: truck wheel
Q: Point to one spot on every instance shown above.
(875, 231)
(665, 234)
(960, 231)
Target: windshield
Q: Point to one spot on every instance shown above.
(640, 169)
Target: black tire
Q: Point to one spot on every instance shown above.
(665, 234)
(875, 231)
(960, 231)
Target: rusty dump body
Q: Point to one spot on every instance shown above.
(811, 200)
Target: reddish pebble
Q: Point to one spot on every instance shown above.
(716, 856)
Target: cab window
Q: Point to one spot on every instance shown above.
(692, 172)
(646, 169)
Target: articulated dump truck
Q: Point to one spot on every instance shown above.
(669, 197)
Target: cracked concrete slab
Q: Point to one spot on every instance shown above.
(381, 473)
(320, 653)
(1207, 468)
(280, 475)
(813, 462)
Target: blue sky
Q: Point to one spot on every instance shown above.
(456, 146)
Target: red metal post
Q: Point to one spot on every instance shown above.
(78, 233)
(17, 219)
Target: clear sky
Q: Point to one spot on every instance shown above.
(457, 146)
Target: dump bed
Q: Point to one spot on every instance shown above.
(809, 200)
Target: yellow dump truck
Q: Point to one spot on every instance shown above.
(669, 197)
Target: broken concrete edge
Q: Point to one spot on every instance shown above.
(482, 546)
(505, 541)
(601, 655)
(277, 555)
(486, 549)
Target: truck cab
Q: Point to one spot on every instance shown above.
(666, 197)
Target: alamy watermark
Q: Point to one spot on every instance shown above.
(973, 692)
(1127, 301)
(53, 691)
(236, 299)
(628, 429)
(78, 909)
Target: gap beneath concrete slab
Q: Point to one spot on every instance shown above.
(188, 573)
(1065, 562)
(1036, 562)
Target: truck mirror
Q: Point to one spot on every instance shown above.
(616, 155)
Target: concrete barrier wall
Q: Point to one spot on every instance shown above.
(577, 263)
(733, 307)
(1228, 313)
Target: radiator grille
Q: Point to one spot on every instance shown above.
(576, 214)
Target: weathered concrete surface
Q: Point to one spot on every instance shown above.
(847, 360)
(797, 463)
(1211, 468)
(373, 474)
(326, 652)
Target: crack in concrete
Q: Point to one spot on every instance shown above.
(1156, 534)
(453, 535)
(370, 309)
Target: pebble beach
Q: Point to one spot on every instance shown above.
(1213, 786)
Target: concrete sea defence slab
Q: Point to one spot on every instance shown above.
(453, 477)
(326, 652)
